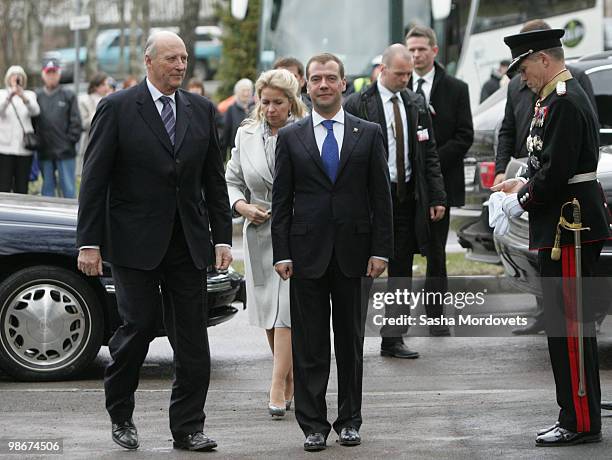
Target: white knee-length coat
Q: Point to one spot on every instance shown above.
(249, 178)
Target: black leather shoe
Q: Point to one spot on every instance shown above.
(125, 434)
(398, 350)
(546, 430)
(534, 328)
(314, 442)
(607, 405)
(349, 436)
(562, 437)
(439, 331)
(197, 441)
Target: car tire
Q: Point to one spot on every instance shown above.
(51, 324)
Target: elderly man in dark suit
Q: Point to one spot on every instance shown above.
(449, 103)
(331, 226)
(153, 184)
(417, 187)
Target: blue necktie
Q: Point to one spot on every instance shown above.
(329, 151)
(167, 116)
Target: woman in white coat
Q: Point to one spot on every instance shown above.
(17, 107)
(249, 179)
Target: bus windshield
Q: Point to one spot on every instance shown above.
(354, 30)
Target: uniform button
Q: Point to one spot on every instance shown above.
(177, 161)
(177, 189)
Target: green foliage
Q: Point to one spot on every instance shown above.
(239, 58)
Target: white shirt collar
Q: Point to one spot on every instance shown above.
(385, 93)
(428, 77)
(156, 94)
(317, 119)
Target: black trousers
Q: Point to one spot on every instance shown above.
(310, 311)
(185, 318)
(400, 265)
(577, 413)
(14, 173)
(436, 278)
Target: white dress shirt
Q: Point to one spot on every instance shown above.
(427, 84)
(386, 96)
(156, 94)
(320, 131)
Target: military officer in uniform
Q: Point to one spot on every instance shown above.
(563, 155)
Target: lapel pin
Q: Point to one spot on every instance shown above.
(355, 130)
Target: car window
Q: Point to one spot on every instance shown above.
(601, 79)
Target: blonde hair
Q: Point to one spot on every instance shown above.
(282, 80)
(15, 70)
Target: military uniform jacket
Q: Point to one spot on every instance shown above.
(562, 143)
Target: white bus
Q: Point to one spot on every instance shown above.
(470, 32)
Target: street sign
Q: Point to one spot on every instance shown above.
(80, 22)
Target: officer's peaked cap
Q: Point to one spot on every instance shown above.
(523, 44)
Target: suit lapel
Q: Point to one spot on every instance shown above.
(183, 118)
(149, 113)
(306, 136)
(351, 135)
(376, 111)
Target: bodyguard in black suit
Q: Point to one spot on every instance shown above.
(417, 187)
(331, 226)
(563, 156)
(153, 184)
(449, 103)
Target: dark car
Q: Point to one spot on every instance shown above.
(53, 319)
(476, 235)
(520, 264)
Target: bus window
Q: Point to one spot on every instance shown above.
(493, 14)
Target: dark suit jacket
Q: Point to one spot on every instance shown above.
(429, 185)
(452, 121)
(135, 182)
(313, 218)
(517, 117)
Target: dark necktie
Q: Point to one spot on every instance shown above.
(167, 116)
(419, 89)
(399, 149)
(329, 151)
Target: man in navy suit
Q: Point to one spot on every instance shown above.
(331, 226)
(153, 184)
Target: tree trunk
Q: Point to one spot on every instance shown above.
(122, 9)
(135, 64)
(189, 21)
(91, 65)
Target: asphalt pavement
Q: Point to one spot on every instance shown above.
(465, 398)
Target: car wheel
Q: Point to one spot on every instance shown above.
(51, 324)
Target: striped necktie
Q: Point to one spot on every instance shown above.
(167, 115)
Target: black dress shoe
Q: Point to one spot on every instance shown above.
(439, 331)
(125, 434)
(534, 328)
(349, 436)
(562, 437)
(607, 405)
(197, 441)
(398, 350)
(314, 442)
(546, 430)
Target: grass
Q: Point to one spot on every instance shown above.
(456, 264)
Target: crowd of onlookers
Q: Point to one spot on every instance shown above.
(44, 132)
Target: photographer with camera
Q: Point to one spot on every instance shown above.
(17, 139)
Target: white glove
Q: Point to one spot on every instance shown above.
(511, 206)
(497, 217)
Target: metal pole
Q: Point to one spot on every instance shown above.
(77, 47)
